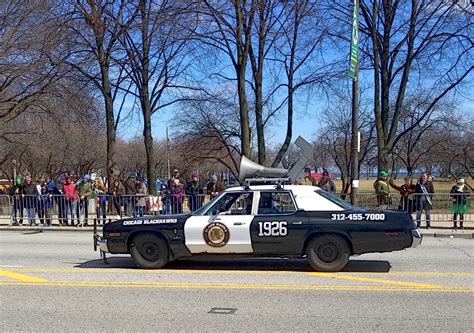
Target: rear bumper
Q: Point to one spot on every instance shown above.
(416, 237)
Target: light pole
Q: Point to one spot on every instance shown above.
(354, 75)
(14, 170)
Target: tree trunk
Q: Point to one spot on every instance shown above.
(150, 157)
(383, 159)
(259, 121)
(110, 125)
(145, 101)
(244, 113)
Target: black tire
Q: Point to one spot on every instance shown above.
(149, 251)
(328, 253)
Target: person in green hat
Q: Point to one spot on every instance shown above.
(382, 190)
(459, 206)
(17, 191)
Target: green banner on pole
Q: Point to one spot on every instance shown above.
(352, 73)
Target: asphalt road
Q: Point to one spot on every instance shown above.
(55, 282)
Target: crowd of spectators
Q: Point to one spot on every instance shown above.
(71, 197)
(419, 197)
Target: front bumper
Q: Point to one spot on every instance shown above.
(417, 237)
(103, 245)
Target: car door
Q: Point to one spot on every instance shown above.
(278, 227)
(224, 227)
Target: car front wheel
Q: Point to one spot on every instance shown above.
(328, 253)
(149, 251)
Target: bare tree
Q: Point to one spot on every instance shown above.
(300, 52)
(30, 56)
(267, 24)
(417, 144)
(228, 30)
(96, 27)
(156, 62)
(209, 131)
(414, 45)
(63, 133)
(334, 141)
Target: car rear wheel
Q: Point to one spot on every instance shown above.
(149, 251)
(328, 253)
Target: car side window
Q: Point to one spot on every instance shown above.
(276, 203)
(238, 203)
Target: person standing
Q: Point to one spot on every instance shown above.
(176, 188)
(326, 183)
(17, 192)
(382, 191)
(57, 189)
(117, 192)
(406, 191)
(130, 190)
(100, 198)
(45, 203)
(165, 199)
(140, 193)
(194, 192)
(459, 193)
(70, 196)
(424, 191)
(308, 179)
(31, 196)
(214, 187)
(84, 191)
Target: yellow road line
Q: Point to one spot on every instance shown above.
(383, 281)
(153, 271)
(456, 274)
(21, 277)
(236, 286)
(220, 271)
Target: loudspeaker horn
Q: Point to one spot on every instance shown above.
(250, 169)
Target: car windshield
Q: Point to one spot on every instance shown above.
(335, 199)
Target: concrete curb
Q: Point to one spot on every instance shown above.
(454, 235)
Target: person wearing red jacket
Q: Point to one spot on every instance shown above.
(70, 193)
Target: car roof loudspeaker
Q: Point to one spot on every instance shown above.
(250, 169)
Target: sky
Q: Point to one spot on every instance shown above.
(305, 125)
(306, 121)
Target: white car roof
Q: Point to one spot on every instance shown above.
(293, 188)
(306, 196)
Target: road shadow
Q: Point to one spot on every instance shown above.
(258, 264)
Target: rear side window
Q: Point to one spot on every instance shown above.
(276, 203)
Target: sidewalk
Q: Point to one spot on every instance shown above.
(439, 229)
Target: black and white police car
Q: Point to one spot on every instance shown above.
(291, 221)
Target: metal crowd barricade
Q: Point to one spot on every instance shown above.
(5, 209)
(441, 207)
(440, 210)
(103, 208)
(369, 200)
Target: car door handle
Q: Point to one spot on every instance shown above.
(297, 222)
(239, 223)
